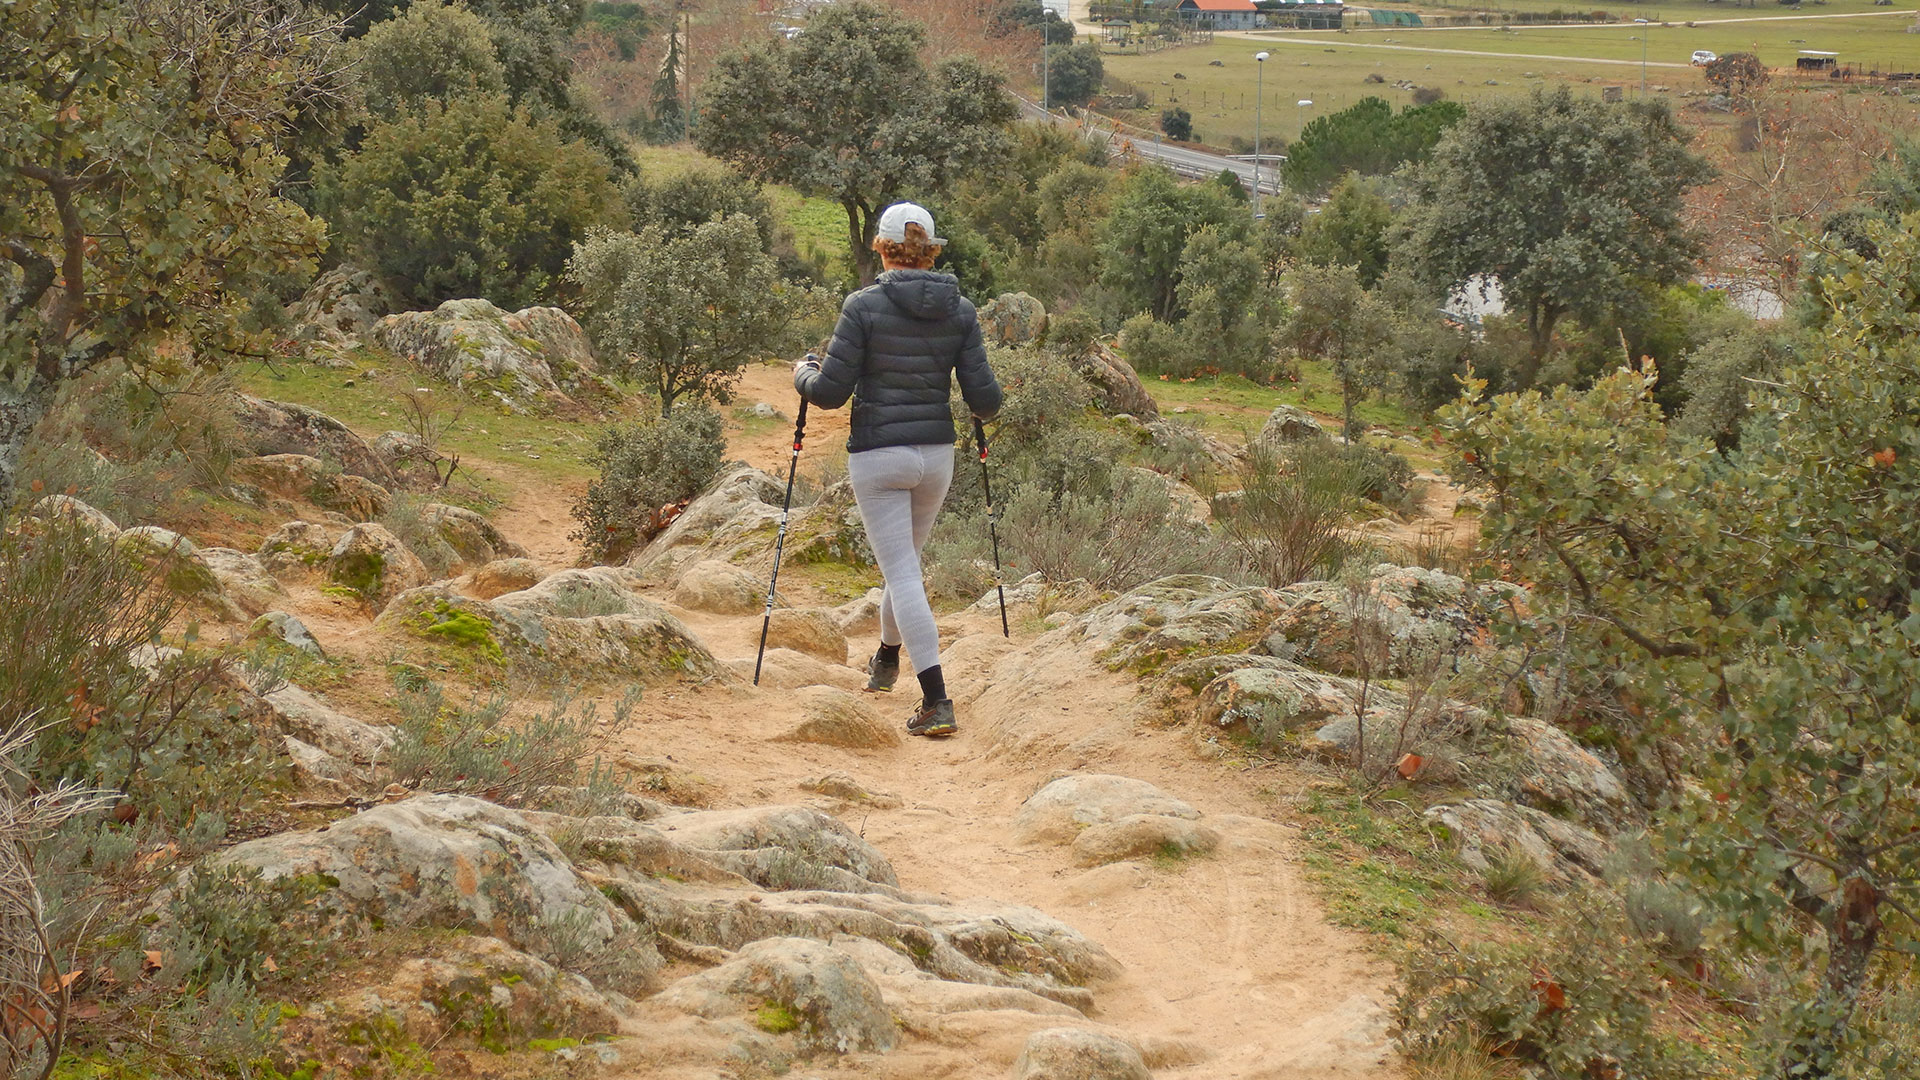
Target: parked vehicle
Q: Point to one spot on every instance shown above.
(1703, 57)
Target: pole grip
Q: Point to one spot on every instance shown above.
(800, 426)
(980, 437)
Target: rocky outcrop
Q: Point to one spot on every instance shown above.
(719, 588)
(472, 537)
(1401, 619)
(1483, 828)
(1176, 616)
(340, 306)
(1555, 774)
(300, 476)
(521, 359)
(1288, 424)
(736, 520)
(297, 548)
(503, 576)
(277, 427)
(374, 564)
(1117, 387)
(1014, 320)
(68, 508)
(579, 625)
(808, 988)
(245, 587)
(286, 629)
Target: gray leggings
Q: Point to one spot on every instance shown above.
(899, 490)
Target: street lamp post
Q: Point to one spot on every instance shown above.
(1643, 58)
(1046, 67)
(1259, 98)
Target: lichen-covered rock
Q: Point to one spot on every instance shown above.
(298, 547)
(472, 537)
(1269, 699)
(298, 476)
(452, 862)
(68, 508)
(268, 427)
(479, 984)
(1177, 616)
(783, 847)
(245, 586)
(1013, 320)
(738, 514)
(805, 987)
(295, 712)
(374, 564)
(829, 531)
(1401, 619)
(340, 306)
(1078, 1054)
(577, 625)
(1059, 811)
(1481, 828)
(287, 629)
(473, 344)
(562, 341)
(1287, 424)
(719, 588)
(808, 630)
(150, 541)
(833, 717)
(1139, 835)
(1117, 387)
(503, 576)
(1555, 774)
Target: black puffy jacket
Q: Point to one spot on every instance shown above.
(895, 352)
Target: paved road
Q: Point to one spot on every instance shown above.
(1184, 161)
(1326, 42)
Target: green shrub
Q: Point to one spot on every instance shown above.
(470, 749)
(1370, 472)
(406, 519)
(1287, 523)
(1581, 1000)
(1513, 878)
(471, 198)
(429, 52)
(644, 467)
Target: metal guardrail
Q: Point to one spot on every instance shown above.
(1124, 140)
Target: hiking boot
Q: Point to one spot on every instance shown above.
(934, 720)
(881, 674)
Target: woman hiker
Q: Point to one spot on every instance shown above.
(898, 346)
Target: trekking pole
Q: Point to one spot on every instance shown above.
(780, 542)
(993, 528)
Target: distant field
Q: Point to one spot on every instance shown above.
(1675, 10)
(1330, 68)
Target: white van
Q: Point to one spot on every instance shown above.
(1703, 57)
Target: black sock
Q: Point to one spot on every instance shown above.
(933, 685)
(888, 654)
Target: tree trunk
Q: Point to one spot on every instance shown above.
(861, 225)
(1346, 405)
(1851, 936)
(20, 413)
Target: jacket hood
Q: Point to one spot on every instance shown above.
(923, 294)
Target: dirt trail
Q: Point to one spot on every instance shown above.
(1230, 953)
(1228, 958)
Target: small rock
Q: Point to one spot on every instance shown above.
(1287, 424)
(1139, 835)
(297, 547)
(808, 630)
(1078, 1054)
(1013, 319)
(503, 576)
(862, 616)
(68, 508)
(765, 411)
(839, 785)
(1057, 812)
(280, 626)
(837, 718)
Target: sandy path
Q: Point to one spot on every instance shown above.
(1326, 42)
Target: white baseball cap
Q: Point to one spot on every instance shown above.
(894, 220)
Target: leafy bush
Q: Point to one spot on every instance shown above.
(1288, 521)
(1579, 1002)
(644, 467)
(1370, 472)
(474, 197)
(429, 52)
(1177, 123)
(443, 747)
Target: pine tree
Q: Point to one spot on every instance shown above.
(669, 112)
